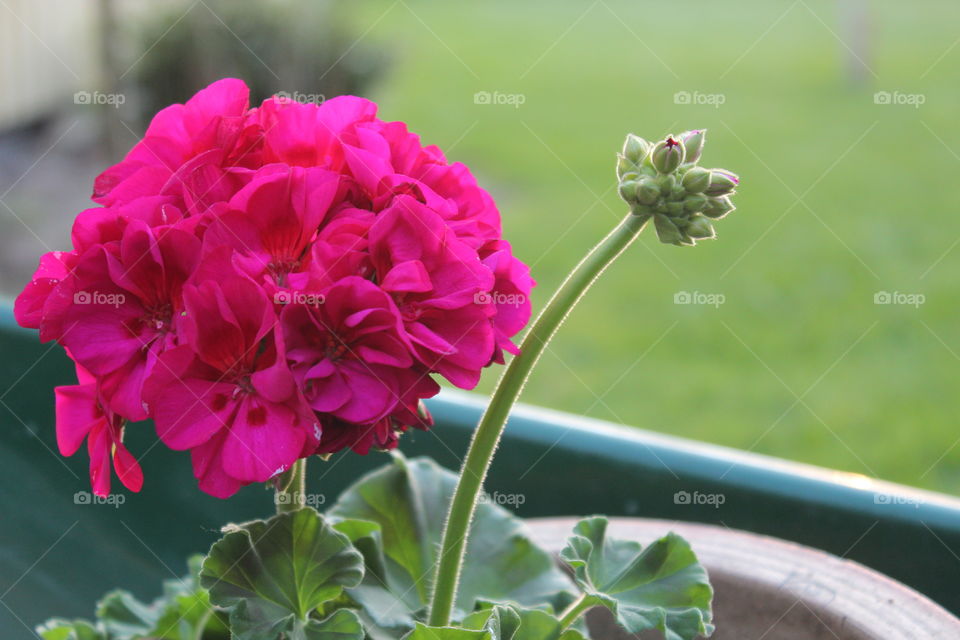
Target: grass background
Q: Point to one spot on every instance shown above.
(841, 198)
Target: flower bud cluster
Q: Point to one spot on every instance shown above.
(663, 180)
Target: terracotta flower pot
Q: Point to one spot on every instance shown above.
(769, 589)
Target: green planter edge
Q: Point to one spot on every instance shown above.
(57, 556)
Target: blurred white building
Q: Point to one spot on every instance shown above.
(48, 51)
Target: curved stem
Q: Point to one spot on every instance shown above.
(576, 609)
(487, 435)
(202, 623)
(291, 488)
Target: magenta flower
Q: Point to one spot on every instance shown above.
(307, 135)
(29, 307)
(350, 355)
(436, 281)
(191, 151)
(119, 306)
(510, 295)
(383, 434)
(227, 393)
(386, 161)
(270, 223)
(81, 415)
(275, 282)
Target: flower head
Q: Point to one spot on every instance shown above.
(274, 282)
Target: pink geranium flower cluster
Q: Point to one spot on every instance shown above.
(271, 283)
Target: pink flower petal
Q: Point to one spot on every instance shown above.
(262, 441)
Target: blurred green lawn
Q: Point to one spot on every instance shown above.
(841, 198)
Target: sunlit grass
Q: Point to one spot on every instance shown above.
(841, 198)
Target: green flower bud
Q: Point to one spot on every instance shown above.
(662, 180)
(635, 149)
(696, 180)
(675, 209)
(700, 228)
(717, 207)
(667, 184)
(628, 190)
(721, 182)
(693, 143)
(695, 203)
(648, 191)
(667, 232)
(667, 155)
(624, 166)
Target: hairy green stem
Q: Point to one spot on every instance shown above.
(291, 488)
(488, 432)
(576, 609)
(202, 623)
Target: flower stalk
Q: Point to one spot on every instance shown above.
(487, 435)
(291, 488)
(651, 181)
(576, 609)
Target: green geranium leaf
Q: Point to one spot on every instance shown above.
(183, 612)
(251, 619)
(124, 617)
(507, 622)
(661, 587)
(342, 624)
(423, 632)
(386, 615)
(274, 574)
(186, 609)
(401, 510)
(502, 621)
(59, 629)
